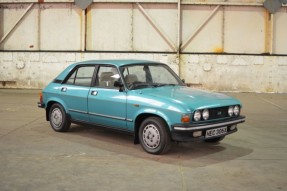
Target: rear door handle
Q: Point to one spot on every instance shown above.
(94, 93)
(63, 89)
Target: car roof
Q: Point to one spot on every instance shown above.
(117, 62)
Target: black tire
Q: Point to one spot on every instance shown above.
(215, 140)
(154, 136)
(58, 118)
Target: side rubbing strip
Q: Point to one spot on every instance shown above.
(101, 115)
(108, 116)
(78, 111)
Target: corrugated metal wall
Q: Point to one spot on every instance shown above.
(218, 45)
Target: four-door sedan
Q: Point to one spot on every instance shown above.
(141, 97)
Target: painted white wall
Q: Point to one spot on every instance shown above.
(239, 73)
(214, 72)
(145, 37)
(209, 38)
(280, 31)
(244, 30)
(114, 27)
(25, 36)
(110, 27)
(60, 27)
(123, 27)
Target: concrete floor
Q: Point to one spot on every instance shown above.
(34, 157)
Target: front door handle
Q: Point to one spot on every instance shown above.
(63, 89)
(94, 93)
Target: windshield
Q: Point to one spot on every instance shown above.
(149, 75)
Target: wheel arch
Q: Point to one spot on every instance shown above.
(49, 105)
(140, 118)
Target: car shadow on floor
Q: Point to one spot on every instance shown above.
(191, 154)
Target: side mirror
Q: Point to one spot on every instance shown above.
(119, 85)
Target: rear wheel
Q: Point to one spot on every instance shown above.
(58, 118)
(154, 136)
(215, 140)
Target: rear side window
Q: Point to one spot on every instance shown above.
(82, 76)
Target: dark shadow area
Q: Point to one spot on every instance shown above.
(190, 154)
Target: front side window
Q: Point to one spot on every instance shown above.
(82, 76)
(149, 75)
(106, 77)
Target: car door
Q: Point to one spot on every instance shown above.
(106, 104)
(74, 92)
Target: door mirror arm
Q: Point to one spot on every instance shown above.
(119, 85)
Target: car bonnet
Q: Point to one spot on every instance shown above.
(189, 97)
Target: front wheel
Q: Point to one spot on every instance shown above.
(154, 136)
(58, 118)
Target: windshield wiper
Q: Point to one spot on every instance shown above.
(137, 85)
(160, 85)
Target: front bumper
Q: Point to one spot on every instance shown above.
(41, 105)
(184, 132)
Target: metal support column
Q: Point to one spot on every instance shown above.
(271, 33)
(269, 25)
(180, 64)
(83, 31)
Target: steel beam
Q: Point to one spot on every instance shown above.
(143, 1)
(271, 33)
(83, 31)
(199, 27)
(13, 27)
(36, 1)
(155, 26)
(179, 32)
(178, 25)
(222, 3)
(269, 25)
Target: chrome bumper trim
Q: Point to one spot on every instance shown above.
(203, 127)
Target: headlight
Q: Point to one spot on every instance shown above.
(236, 110)
(230, 111)
(197, 115)
(205, 114)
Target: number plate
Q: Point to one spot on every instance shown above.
(215, 132)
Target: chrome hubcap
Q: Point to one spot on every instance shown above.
(151, 136)
(56, 118)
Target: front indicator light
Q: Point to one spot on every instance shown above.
(205, 114)
(41, 97)
(185, 118)
(197, 115)
(197, 133)
(233, 127)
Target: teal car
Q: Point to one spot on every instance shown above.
(144, 98)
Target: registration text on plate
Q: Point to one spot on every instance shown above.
(215, 132)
